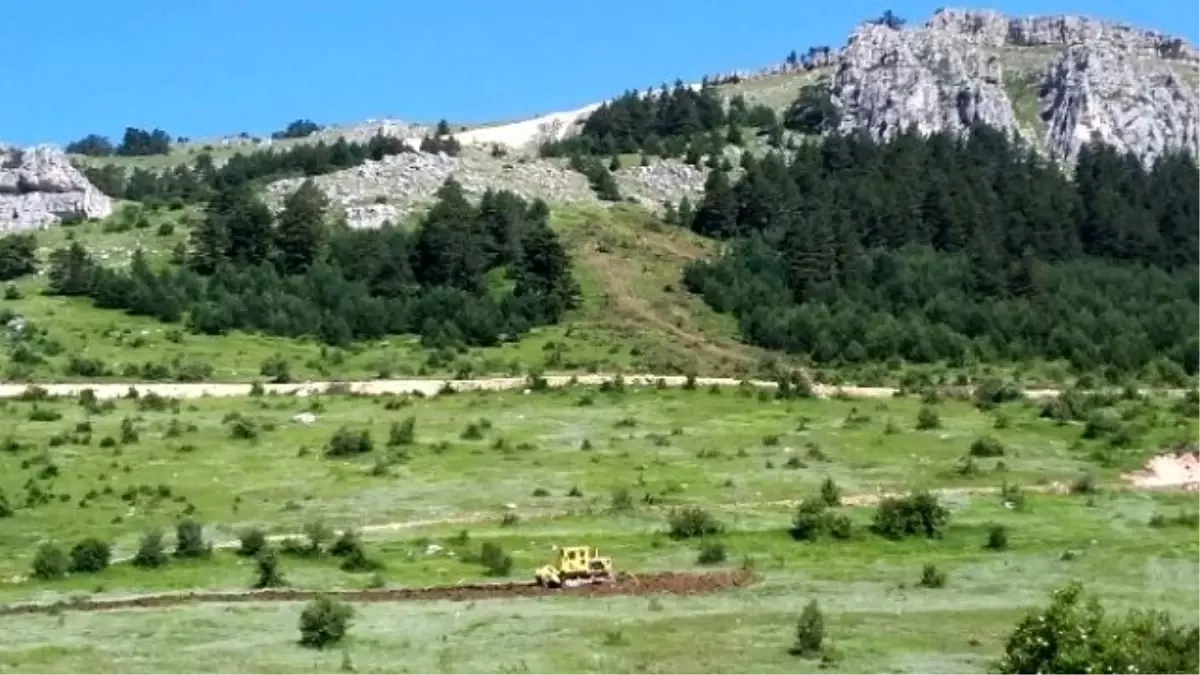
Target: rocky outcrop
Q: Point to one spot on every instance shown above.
(889, 80)
(1074, 78)
(394, 187)
(991, 28)
(39, 187)
(1092, 93)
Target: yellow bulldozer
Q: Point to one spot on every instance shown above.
(575, 566)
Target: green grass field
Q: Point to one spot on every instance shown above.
(553, 460)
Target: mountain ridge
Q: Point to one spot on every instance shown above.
(1056, 81)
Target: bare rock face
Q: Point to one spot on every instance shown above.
(1095, 93)
(39, 187)
(391, 189)
(889, 80)
(1076, 79)
(988, 27)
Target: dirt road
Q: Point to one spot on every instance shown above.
(431, 387)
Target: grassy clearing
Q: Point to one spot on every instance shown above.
(775, 91)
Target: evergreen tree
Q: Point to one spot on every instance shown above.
(301, 228)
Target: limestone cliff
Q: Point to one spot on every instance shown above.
(39, 187)
(1057, 81)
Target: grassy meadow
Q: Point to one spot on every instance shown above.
(601, 466)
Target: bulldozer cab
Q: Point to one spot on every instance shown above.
(574, 565)
(578, 558)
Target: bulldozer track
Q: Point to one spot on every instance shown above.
(673, 583)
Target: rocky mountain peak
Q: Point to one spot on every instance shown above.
(994, 29)
(1056, 81)
(40, 187)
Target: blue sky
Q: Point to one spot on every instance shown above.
(201, 68)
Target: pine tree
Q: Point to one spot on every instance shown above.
(301, 228)
(717, 214)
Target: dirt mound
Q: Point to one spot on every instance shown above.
(676, 583)
(1178, 469)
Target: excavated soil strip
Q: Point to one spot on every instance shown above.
(675, 583)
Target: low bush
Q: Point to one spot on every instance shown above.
(151, 553)
(495, 560)
(347, 442)
(810, 631)
(189, 540)
(90, 555)
(324, 622)
(50, 562)
(711, 553)
(932, 577)
(691, 521)
(918, 514)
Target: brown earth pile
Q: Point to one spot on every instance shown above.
(676, 583)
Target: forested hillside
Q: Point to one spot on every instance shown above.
(469, 275)
(930, 248)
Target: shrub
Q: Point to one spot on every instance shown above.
(711, 553)
(346, 441)
(129, 433)
(90, 555)
(189, 540)
(242, 428)
(356, 560)
(691, 522)
(277, 368)
(997, 539)
(831, 495)
(44, 415)
(1073, 635)
(810, 521)
(928, 418)
(622, 501)
(986, 446)
(814, 520)
(346, 543)
(493, 558)
(810, 631)
(252, 542)
(151, 553)
(402, 433)
(6, 509)
(992, 392)
(1087, 484)
(932, 577)
(918, 514)
(324, 622)
(49, 562)
(318, 533)
(267, 563)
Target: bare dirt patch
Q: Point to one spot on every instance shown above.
(674, 583)
(1178, 469)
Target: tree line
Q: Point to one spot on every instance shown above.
(468, 275)
(943, 249)
(663, 123)
(135, 143)
(202, 179)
